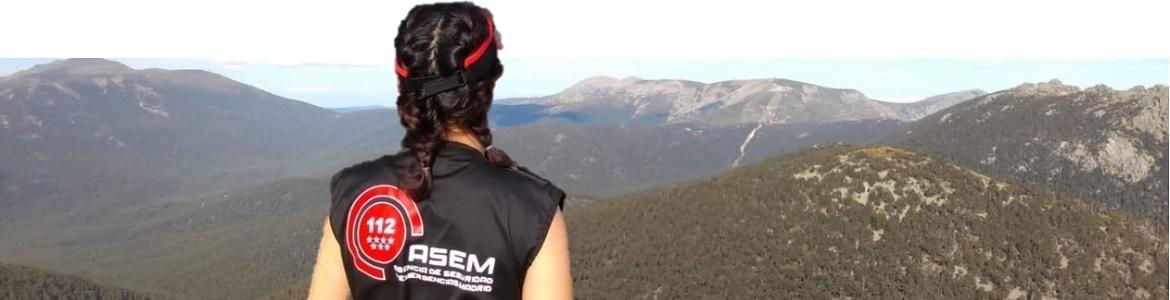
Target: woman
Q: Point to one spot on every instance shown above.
(449, 216)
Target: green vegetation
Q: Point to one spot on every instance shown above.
(20, 282)
(1099, 144)
(237, 245)
(866, 223)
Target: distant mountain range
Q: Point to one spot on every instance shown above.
(634, 102)
(604, 136)
(179, 183)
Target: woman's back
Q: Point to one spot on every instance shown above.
(449, 216)
(474, 236)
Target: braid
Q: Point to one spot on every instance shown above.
(422, 137)
(479, 127)
(420, 117)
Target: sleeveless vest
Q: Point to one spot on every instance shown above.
(472, 238)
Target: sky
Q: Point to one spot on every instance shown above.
(339, 53)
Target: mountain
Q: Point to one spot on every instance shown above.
(132, 176)
(861, 222)
(20, 282)
(637, 102)
(98, 132)
(922, 108)
(604, 136)
(1100, 144)
(85, 126)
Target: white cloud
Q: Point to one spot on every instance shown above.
(361, 32)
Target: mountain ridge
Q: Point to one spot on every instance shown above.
(1103, 145)
(151, 132)
(634, 101)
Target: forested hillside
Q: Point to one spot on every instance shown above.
(20, 282)
(837, 222)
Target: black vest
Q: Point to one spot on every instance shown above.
(473, 238)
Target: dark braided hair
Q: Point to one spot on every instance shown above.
(433, 40)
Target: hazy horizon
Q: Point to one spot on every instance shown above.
(887, 79)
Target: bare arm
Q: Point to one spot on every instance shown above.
(328, 275)
(548, 277)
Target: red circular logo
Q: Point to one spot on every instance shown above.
(376, 228)
(381, 235)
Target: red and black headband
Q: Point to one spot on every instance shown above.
(479, 65)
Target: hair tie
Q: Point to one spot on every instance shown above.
(478, 66)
